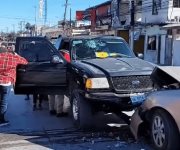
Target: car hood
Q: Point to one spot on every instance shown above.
(172, 71)
(166, 75)
(127, 66)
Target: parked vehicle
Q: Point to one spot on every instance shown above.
(159, 114)
(103, 74)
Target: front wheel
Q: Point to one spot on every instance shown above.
(81, 111)
(164, 132)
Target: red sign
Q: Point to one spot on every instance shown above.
(79, 15)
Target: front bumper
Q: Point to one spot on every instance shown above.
(120, 100)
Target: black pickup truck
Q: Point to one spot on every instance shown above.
(103, 73)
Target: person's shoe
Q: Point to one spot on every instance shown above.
(27, 98)
(34, 107)
(4, 123)
(63, 114)
(52, 112)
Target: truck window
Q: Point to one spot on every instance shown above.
(38, 51)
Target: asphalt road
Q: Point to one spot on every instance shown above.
(37, 130)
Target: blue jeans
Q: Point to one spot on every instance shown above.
(4, 94)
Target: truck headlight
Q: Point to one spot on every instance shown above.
(97, 83)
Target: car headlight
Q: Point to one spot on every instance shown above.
(97, 83)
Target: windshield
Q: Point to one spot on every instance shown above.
(99, 48)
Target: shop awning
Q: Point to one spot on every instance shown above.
(171, 26)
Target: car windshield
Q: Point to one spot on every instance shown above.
(99, 48)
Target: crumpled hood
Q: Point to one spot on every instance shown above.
(171, 72)
(111, 66)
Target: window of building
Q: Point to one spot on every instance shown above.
(154, 8)
(178, 31)
(176, 3)
(156, 5)
(151, 43)
(109, 10)
(139, 2)
(169, 32)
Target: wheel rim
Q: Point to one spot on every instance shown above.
(158, 131)
(75, 108)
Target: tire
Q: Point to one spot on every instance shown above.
(81, 111)
(164, 132)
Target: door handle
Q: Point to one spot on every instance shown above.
(22, 70)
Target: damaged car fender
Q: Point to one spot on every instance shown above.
(135, 123)
(168, 100)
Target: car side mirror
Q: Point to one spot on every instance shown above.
(56, 59)
(140, 55)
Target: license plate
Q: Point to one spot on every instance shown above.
(137, 98)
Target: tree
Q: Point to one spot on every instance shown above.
(28, 26)
(11, 36)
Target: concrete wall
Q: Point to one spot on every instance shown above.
(103, 10)
(166, 12)
(176, 53)
(148, 17)
(152, 55)
(173, 13)
(163, 49)
(124, 12)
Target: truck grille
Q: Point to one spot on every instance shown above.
(132, 83)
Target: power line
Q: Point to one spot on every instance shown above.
(26, 19)
(146, 9)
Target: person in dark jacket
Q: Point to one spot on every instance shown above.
(37, 101)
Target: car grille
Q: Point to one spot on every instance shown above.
(132, 83)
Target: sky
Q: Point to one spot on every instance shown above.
(16, 12)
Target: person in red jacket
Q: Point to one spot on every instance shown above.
(66, 55)
(8, 63)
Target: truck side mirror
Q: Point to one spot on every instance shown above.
(140, 55)
(56, 59)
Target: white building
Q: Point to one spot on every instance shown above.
(125, 19)
(82, 23)
(155, 41)
(160, 46)
(161, 11)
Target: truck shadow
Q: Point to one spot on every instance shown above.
(39, 130)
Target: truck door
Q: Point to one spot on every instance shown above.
(46, 71)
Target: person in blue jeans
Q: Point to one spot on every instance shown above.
(4, 95)
(8, 63)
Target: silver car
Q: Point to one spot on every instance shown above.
(160, 112)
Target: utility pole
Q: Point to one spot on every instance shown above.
(45, 11)
(70, 18)
(132, 24)
(21, 25)
(35, 21)
(66, 4)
